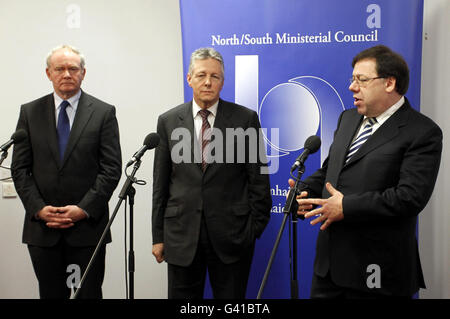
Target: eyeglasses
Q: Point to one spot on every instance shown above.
(362, 80)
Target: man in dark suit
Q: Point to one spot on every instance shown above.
(65, 173)
(210, 199)
(379, 175)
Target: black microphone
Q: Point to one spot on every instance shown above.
(151, 141)
(312, 145)
(17, 137)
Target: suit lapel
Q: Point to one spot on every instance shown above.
(221, 123)
(384, 134)
(349, 128)
(186, 120)
(50, 126)
(222, 120)
(82, 116)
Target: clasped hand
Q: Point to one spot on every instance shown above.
(61, 217)
(328, 211)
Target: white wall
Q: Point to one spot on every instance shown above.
(434, 222)
(133, 60)
(133, 52)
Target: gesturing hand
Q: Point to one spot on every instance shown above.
(303, 208)
(331, 208)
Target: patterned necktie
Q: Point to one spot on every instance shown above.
(205, 135)
(362, 138)
(63, 128)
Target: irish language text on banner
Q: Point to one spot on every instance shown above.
(290, 61)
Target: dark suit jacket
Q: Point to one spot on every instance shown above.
(233, 197)
(87, 176)
(386, 184)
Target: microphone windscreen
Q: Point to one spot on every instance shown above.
(313, 143)
(151, 140)
(19, 135)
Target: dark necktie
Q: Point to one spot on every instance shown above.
(205, 136)
(362, 138)
(63, 128)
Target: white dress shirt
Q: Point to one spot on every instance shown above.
(71, 109)
(381, 118)
(198, 118)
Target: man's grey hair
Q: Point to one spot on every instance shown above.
(203, 54)
(68, 47)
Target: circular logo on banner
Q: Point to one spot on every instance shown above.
(292, 109)
(302, 107)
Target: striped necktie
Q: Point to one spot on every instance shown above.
(362, 138)
(63, 128)
(205, 136)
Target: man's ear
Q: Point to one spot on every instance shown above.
(390, 84)
(189, 79)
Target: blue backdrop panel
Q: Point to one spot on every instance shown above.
(290, 60)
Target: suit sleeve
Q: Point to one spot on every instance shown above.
(417, 177)
(161, 176)
(110, 166)
(260, 198)
(21, 171)
(315, 182)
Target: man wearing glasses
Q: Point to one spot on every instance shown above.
(379, 175)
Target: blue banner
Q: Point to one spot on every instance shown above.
(290, 60)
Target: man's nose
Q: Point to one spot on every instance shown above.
(353, 86)
(66, 73)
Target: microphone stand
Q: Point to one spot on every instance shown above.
(127, 190)
(131, 192)
(289, 210)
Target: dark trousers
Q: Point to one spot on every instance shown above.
(57, 268)
(228, 281)
(325, 288)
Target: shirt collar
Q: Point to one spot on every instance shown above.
(196, 108)
(72, 100)
(391, 110)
